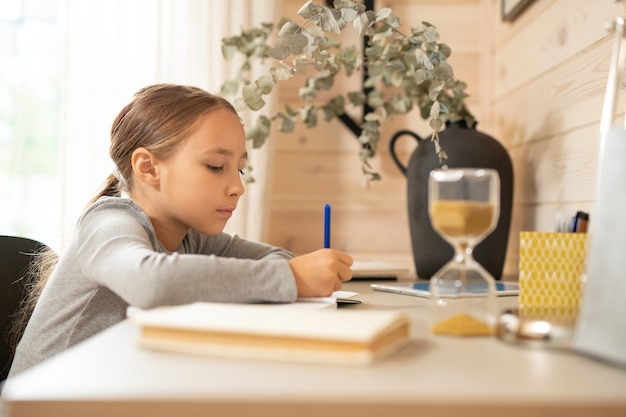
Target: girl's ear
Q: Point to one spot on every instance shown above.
(144, 165)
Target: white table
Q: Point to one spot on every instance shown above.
(108, 375)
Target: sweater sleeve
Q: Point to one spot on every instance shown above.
(119, 251)
(232, 247)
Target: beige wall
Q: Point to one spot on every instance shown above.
(536, 84)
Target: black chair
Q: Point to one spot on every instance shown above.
(16, 254)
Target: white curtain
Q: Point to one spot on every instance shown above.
(115, 47)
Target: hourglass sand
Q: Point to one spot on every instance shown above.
(464, 207)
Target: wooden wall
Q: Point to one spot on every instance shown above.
(550, 69)
(535, 84)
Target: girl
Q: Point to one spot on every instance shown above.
(178, 154)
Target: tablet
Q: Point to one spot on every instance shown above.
(420, 289)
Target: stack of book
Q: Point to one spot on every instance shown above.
(262, 332)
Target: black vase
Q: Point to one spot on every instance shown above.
(466, 148)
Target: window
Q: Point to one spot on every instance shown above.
(31, 64)
(66, 69)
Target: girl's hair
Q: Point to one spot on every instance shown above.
(33, 281)
(159, 118)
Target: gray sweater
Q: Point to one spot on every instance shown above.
(115, 260)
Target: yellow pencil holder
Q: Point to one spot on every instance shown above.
(552, 268)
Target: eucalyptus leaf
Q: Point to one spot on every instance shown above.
(383, 13)
(323, 81)
(229, 88)
(397, 77)
(444, 71)
(424, 60)
(375, 98)
(436, 124)
(400, 105)
(356, 98)
(283, 74)
(252, 96)
(376, 68)
(259, 132)
(289, 28)
(294, 42)
(266, 83)
(228, 51)
(279, 52)
(361, 23)
(382, 33)
(392, 20)
(431, 34)
(351, 59)
(365, 154)
(372, 80)
(247, 173)
(327, 113)
(445, 50)
(328, 22)
(301, 64)
(309, 10)
(287, 123)
(437, 144)
(309, 116)
(434, 110)
(374, 51)
(315, 33)
(371, 128)
(337, 105)
(307, 94)
(350, 4)
(436, 89)
(420, 76)
(291, 112)
(372, 117)
(348, 14)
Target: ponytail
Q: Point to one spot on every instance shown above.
(35, 278)
(111, 188)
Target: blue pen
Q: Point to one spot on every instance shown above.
(327, 225)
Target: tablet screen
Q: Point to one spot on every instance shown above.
(420, 289)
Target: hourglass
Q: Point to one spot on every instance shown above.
(464, 207)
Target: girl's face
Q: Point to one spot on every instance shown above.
(200, 184)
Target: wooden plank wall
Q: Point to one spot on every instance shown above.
(550, 68)
(535, 84)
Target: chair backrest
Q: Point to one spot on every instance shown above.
(16, 253)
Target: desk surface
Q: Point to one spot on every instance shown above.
(434, 375)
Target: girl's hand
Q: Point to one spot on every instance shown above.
(320, 273)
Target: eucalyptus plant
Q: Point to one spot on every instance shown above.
(402, 70)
